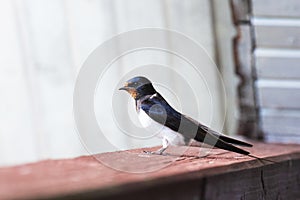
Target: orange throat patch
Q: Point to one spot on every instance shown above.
(133, 93)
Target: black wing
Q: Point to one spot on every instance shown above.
(159, 110)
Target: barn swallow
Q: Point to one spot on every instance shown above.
(175, 128)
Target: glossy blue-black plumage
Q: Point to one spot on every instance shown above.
(158, 109)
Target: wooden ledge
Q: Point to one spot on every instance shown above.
(135, 175)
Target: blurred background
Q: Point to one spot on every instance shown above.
(44, 43)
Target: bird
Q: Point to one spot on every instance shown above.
(176, 129)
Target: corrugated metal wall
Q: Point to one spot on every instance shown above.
(277, 54)
(270, 30)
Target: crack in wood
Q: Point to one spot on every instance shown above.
(263, 182)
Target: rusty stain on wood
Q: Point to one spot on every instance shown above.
(240, 11)
(248, 118)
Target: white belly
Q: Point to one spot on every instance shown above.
(173, 138)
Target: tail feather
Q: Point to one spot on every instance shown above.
(223, 145)
(216, 141)
(222, 137)
(234, 141)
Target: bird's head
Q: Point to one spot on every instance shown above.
(138, 87)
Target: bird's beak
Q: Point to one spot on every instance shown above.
(124, 88)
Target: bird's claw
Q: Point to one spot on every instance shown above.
(150, 152)
(154, 152)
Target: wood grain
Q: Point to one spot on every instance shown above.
(243, 59)
(240, 10)
(218, 175)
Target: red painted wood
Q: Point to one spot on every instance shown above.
(53, 178)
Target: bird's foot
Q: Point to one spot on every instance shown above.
(158, 152)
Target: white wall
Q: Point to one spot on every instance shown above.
(42, 46)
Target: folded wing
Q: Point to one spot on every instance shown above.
(159, 110)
